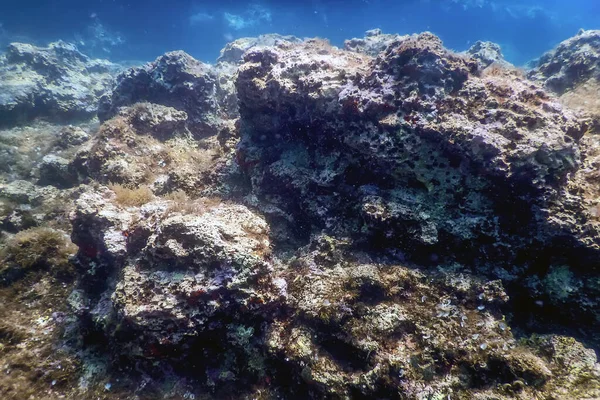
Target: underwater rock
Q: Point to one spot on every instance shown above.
(57, 171)
(233, 52)
(374, 42)
(177, 280)
(572, 62)
(487, 53)
(399, 220)
(175, 80)
(55, 82)
(571, 71)
(150, 144)
(22, 192)
(360, 329)
(419, 150)
(195, 289)
(26, 205)
(71, 136)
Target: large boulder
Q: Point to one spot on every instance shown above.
(55, 82)
(186, 284)
(572, 71)
(175, 80)
(195, 290)
(420, 153)
(487, 53)
(362, 329)
(150, 144)
(403, 213)
(573, 62)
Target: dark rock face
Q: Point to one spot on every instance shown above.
(175, 80)
(57, 82)
(418, 150)
(571, 71)
(55, 170)
(573, 62)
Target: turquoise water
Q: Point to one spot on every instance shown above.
(142, 30)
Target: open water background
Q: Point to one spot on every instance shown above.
(143, 29)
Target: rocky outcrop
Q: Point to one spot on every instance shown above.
(571, 63)
(374, 42)
(361, 329)
(196, 290)
(487, 53)
(150, 144)
(393, 220)
(175, 80)
(177, 277)
(56, 82)
(233, 52)
(572, 71)
(421, 153)
(25, 205)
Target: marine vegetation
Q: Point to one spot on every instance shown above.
(37, 248)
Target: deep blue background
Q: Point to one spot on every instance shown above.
(524, 28)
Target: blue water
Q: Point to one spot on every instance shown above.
(144, 29)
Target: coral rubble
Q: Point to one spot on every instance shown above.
(389, 220)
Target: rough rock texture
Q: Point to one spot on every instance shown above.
(233, 52)
(176, 80)
(149, 144)
(24, 205)
(487, 53)
(197, 289)
(572, 71)
(573, 62)
(402, 222)
(57, 82)
(164, 282)
(374, 42)
(420, 153)
(361, 329)
(72, 136)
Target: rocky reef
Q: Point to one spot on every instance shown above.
(57, 82)
(389, 220)
(571, 71)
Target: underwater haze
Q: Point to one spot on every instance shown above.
(142, 30)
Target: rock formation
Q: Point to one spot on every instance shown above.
(389, 220)
(233, 52)
(571, 71)
(374, 42)
(571, 63)
(175, 80)
(487, 53)
(56, 82)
